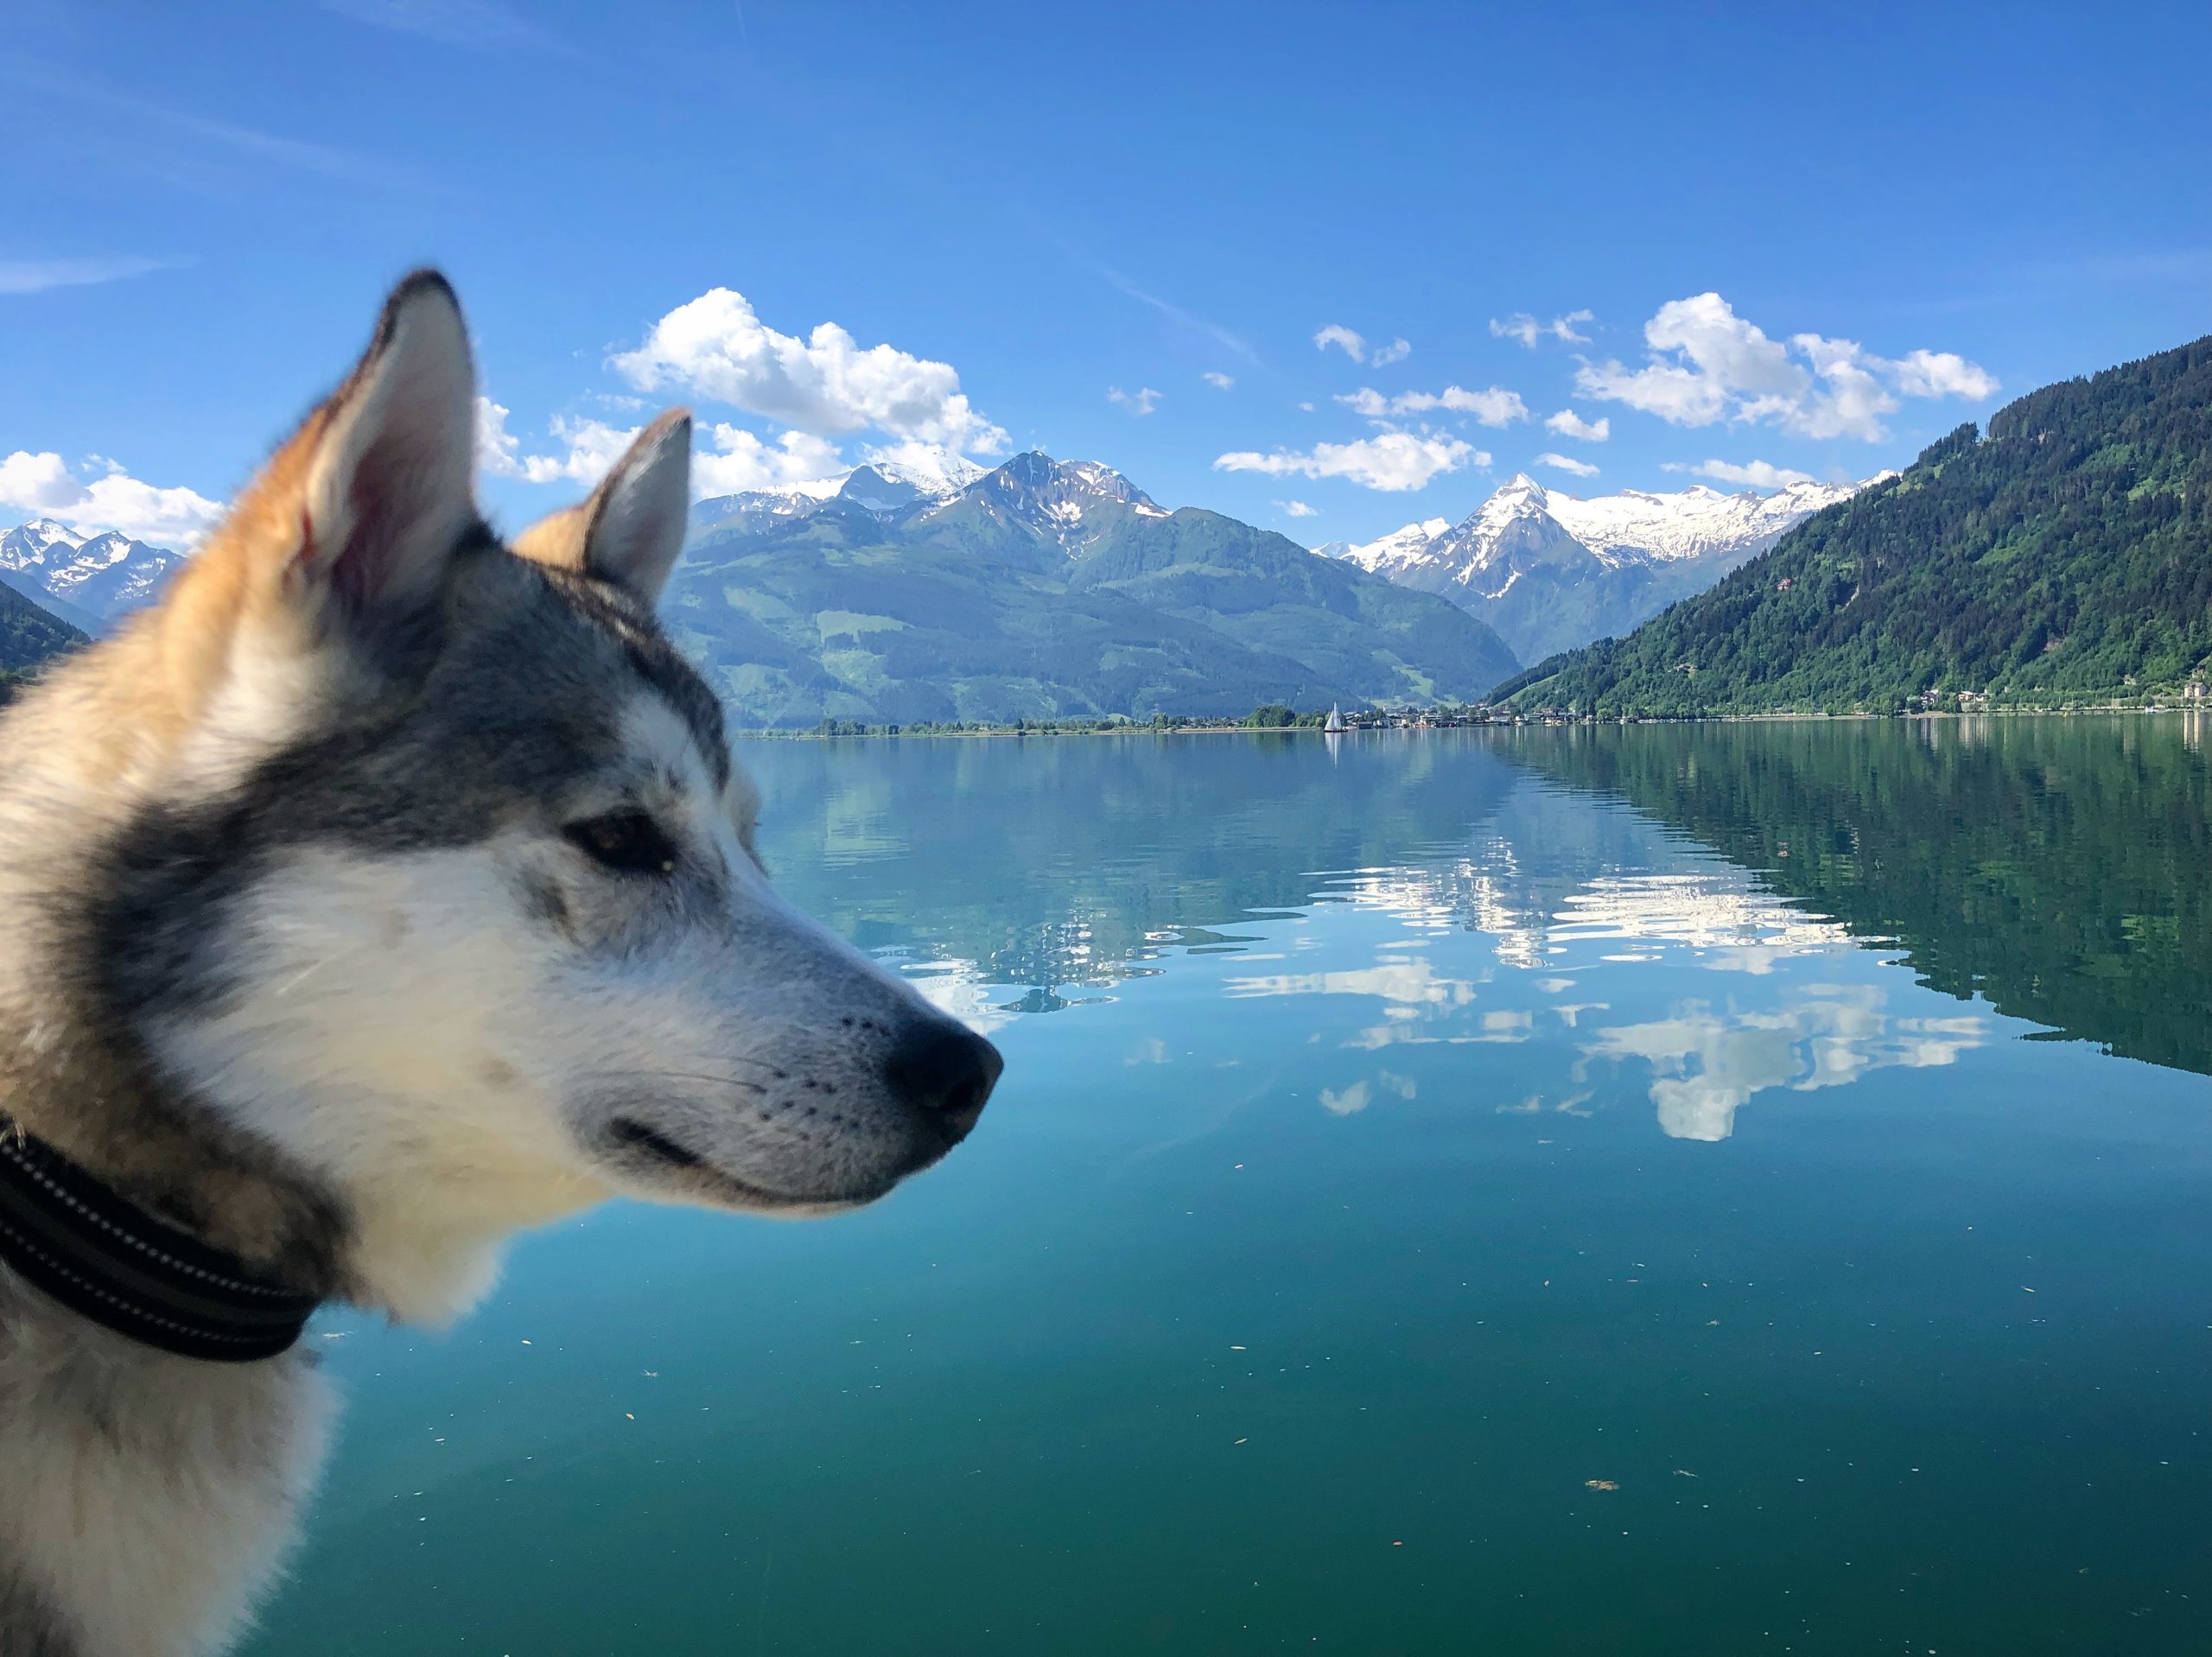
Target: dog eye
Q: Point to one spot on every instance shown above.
(629, 842)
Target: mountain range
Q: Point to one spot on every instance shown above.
(1042, 588)
(2065, 556)
(1550, 571)
(88, 580)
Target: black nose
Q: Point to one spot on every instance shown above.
(945, 1072)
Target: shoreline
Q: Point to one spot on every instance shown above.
(1930, 715)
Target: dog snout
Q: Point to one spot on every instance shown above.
(944, 1072)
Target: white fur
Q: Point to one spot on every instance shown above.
(408, 1032)
(143, 1566)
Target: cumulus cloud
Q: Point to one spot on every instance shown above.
(1393, 462)
(1138, 402)
(588, 448)
(716, 347)
(742, 461)
(726, 460)
(1707, 364)
(44, 484)
(1568, 463)
(498, 451)
(1942, 374)
(1568, 424)
(1759, 474)
(1353, 345)
(1219, 381)
(1297, 509)
(1493, 407)
(1524, 327)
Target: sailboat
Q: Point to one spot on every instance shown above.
(1336, 725)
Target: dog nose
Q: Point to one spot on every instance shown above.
(945, 1072)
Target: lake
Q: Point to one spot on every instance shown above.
(1729, 1188)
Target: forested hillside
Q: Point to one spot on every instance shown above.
(28, 637)
(2067, 557)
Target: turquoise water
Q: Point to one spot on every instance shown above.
(1672, 1189)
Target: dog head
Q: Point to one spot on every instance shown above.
(446, 883)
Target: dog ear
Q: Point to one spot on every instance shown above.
(629, 533)
(380, 477)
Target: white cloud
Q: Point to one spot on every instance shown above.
(1524, 327)
(1297, 509)
(1138, 402)
(1568, 424)
(498, 451)
(1218, 380)
(1393, 461)
(1493, 407)
(1944, 373)
(1707, 364)
(1336, 333)
(1354, 345)
(589, 447)
(1568, 463)
(1759, 474)
(716, 347)
(37, 276)
(742, 461)
(44, 484)
(727, 460)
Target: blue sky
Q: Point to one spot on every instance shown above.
(1755, 240)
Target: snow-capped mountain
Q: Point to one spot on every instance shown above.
(1073, 503)
(888, 486)
(89, 581)
(1551, 571)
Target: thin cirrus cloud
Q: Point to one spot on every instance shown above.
(160, 126)
(1393, 462)
(1707, 364)
(716, 347)
(1529, 332)
(1566, 463)
(1138, 402)
(37, 275)
(480, 25)
(45, 484)
(1354, 345)
(1568, 424)
(1493, 407)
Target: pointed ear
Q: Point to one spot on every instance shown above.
(387, 493)
(629, 533)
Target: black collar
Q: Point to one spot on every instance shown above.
(109, 1259)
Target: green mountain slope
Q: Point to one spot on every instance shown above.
(1049, 589)
(2011, 860)
(28, 636)
(2067, 557)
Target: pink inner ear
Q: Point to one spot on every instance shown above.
(395, 497)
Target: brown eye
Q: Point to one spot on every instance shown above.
(628, 842)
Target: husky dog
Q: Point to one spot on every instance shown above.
(387, 889)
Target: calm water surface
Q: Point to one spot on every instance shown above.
(1679, 1189)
